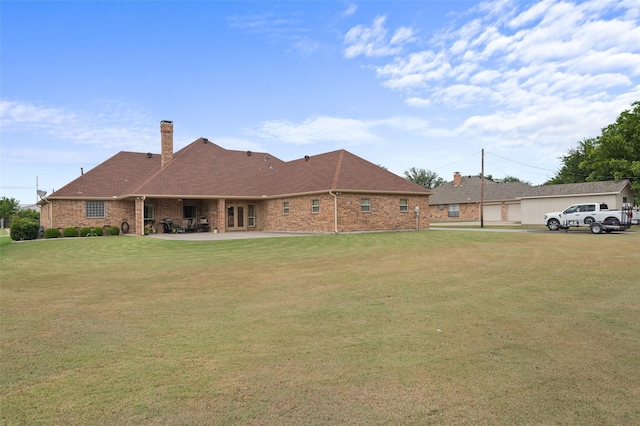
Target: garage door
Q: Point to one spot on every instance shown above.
(513, 213)
(492, 213)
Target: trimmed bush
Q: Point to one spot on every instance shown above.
(114, 230)
(24, 229)
(70, 232)
(97, 231)
(51, 233)
(85, 231)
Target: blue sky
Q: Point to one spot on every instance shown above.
(424, 84)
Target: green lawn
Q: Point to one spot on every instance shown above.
(433, 327)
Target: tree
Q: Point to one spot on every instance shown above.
(424, 178)
(571, 171)
(8, 207)
(613, 155)
(505, 179)
(508, 178)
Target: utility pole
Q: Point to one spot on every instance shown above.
(482, 192)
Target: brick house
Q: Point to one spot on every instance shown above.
(460, 199)
(208, 188)
(518, 201)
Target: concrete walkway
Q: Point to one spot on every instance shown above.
(237, 235)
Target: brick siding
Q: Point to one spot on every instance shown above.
(385, 213)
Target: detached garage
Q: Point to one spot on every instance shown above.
(552, 198)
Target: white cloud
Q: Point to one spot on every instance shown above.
(513, 53)
(344, 131)
(418, 102)
(350, 9)
(374, 40)
(276, 29)
(112, 125)
(318, 129)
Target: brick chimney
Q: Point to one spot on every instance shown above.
(166, 131)
(457, 179)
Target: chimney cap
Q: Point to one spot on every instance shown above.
(166, 122)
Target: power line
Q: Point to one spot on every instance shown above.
(457, 161)
(522, 164)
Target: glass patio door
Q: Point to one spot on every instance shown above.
(235, 218)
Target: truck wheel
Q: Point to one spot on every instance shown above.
(596, 228)
(612, 221)
(553, 224)
(589, 220)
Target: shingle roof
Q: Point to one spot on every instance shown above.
(584, 188)
(119, 175)
(469, 190)
(205, 170)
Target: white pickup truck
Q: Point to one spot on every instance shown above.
(586, 214)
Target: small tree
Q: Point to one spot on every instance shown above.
(424, 178)
(8, 207)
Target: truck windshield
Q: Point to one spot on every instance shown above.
(572, 209)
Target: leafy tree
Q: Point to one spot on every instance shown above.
(8, 208)
(571, 171)
(508, 178)
(29, 214)
(615, 154)
(424, 178)
(503, 180)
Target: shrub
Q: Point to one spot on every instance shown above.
(24, 229)
(70, 232)
(114, 230)
(51, 233)
(97, 231)
(85, 231)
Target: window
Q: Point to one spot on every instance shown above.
(454, 210)
(404, 205)
(624, 200)
(251, 215)
(365, 204)
(285, 207)
(440, 207)
(148, 212)
(95, 208)
(315, 206)
(189, 212)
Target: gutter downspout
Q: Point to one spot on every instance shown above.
(335, 211)
(50, 212)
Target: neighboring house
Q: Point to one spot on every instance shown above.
(215, 189)
(552, 198)
(517, 201)
(460, 200)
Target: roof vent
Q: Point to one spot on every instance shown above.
(205, 140)
(249, 153)
(306, 158)
(149, 155)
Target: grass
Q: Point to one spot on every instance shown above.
(437, 327)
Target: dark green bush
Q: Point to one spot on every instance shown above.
(24, 229)
(51, 233)
(70, 232)
(85, 231)
(97, 231)
(114, 230)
